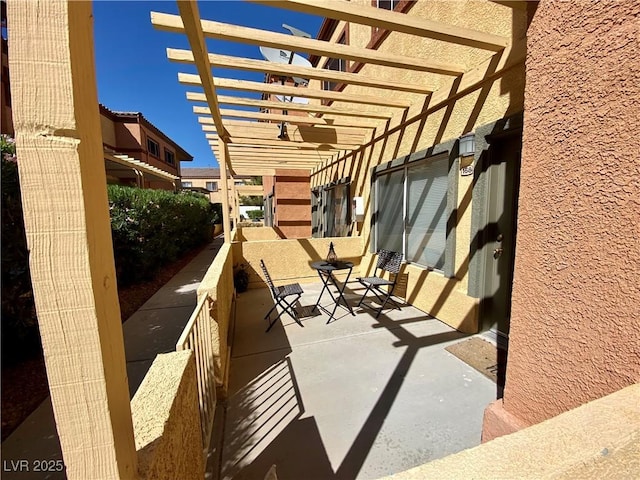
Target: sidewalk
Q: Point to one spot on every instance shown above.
(153, 329)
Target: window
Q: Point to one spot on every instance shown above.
(153, 147)
(386, 4)
(187, 184)
(337, 64)
(379, 34)
(212, 186)
(331, 210)
(169, 157)
(412, 211)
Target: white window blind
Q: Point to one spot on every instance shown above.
(426, 227)
(389, 219)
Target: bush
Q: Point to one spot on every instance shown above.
(20, 334)
(153, 227)
(255, 214)
(217, 213)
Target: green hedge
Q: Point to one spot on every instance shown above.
(153, 227)
(255, 214)
(20, 335)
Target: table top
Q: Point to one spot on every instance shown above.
(328, 267)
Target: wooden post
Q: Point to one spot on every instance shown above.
(63, 181)
(226, 223)
(236, 203)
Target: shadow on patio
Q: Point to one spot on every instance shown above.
(356, 398)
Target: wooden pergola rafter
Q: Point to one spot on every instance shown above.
(261, 134)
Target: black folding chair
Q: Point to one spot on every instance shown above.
(388, 261)
(280, 295)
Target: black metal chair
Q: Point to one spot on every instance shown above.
(280, 295)
(388, 261)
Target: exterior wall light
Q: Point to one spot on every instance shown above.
(467, 145)
(466, 152)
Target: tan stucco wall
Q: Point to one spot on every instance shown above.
(166, 420)
(289, 260)
(494, 99)
(575, 334)
(252, 234)
(595, 441)
(218, 284)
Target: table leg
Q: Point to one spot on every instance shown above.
(340, 295)
(325, 286)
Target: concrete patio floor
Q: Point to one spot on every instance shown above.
(357, 398)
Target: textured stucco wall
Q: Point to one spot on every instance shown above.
(289, 260)
(575, 331)
(253, 234)
(494, 99)
(166, 420)
(218, 284)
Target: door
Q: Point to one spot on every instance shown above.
(502, 167)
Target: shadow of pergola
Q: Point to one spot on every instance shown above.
(266, 422)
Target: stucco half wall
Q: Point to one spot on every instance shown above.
(166, 420)
(290, 260)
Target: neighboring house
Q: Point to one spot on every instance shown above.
(207, 180)
(138, 153)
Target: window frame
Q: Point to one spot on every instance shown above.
(343, 63)
(168, 154)
(404, 163)
(186, 184)
(151, 141)
(214, 186)
(320, 201)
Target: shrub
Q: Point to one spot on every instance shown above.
(152, 227)
(20, 334)
(255, 214)
(217, 213)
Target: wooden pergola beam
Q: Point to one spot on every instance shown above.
(242, 141)
(257, 170)
(302, 130)
(239, 63)
(192, 27)
(306, 92)
(284, 153)
(254, 36)
(395, 21)
(291, 119)
(222, 153)
(243, 162)
(295, 133)
(298, 107)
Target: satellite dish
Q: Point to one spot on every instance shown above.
(296, 32)
(278, 55)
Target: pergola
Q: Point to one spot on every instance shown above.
(64, 183)
(249, 141)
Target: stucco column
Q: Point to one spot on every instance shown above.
(63, 182)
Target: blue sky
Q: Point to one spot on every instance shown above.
(133, 72)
